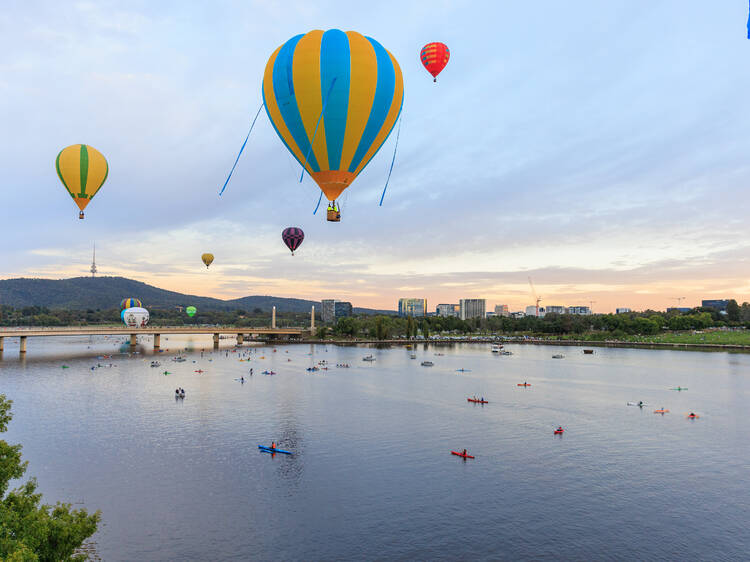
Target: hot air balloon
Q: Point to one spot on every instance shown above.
(82, 170)
(333, 99)
(293, 237)
(135, 317)
(208, 259)
(434, 58)
(129, 303)
(191, 310)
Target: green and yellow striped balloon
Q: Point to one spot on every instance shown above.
(82, 170)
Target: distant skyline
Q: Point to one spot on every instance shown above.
(600, 148)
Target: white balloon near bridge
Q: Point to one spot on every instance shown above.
(135, 317)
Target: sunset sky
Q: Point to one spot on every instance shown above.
(602, 148)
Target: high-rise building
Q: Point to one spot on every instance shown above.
(472, 308)
(622, 310)
(580, 310)
(412, 307)
(555, 309)
(342, 309)
(502, 310)
(718, 304)
(331, 309)
(446, 310)
(532, 311)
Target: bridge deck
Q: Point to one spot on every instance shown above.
(125, 331)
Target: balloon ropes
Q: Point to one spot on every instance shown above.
(293, 237)
(435, 57)
(333, 99)
(207, 259)
(82, 170)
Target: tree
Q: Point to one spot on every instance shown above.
(733, 311)
(30, 531)
(321, 332)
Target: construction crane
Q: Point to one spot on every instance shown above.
(591, 306)
(678, 299)
(536, 297)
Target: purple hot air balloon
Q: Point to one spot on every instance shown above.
(292, 237)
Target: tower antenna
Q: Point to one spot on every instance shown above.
(93, 262)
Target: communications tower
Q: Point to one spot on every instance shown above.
(93, 263)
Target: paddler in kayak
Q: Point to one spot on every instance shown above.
(273, 445)
(464, 453)
(559, 428)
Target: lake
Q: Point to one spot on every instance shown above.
(372, 475)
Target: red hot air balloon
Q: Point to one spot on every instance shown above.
(434, 58)
(292, 237)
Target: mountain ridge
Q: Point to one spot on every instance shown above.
(107, 292)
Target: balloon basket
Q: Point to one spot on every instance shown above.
(333, 216)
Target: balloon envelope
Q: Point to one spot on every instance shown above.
(191, 310)
(208, 259)
(135, 317)
(435, 57)
(292, 237)
(129, 303)
(333, 98)
(82, 170)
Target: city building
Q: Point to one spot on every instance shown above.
(718, 304)
(446, 310)
(622, 310)
(472, 308)
(581, 310)
(554, 309)
(679, 308)
(501, 310)
(531, 311)
(412, 307)
(519, 314)
(331, 309)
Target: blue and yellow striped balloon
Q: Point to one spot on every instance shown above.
(333, 98)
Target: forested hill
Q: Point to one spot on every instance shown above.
(107, 292)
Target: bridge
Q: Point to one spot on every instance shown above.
(155, 331)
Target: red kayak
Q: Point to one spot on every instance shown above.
(523, 384)
(558, 431)
(463, 456)
(475, 401)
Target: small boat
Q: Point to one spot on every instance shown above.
(312, 369)
(523, 384)
(427, 363)
(506, 353)
(439, 354)
(155, 364)
(412, 356)
(463, 370)
(198, 371)
(368, 358)
(639, 404)
(679, 389)
(478, 401)
(558, 356)
(462, 455)
(179, 395)
(269, 372)
(692, 416)
(559, 431)
(661, 411)
(496, 348)
(264, 449)
(588, 351)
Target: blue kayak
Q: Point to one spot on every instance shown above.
(264, 449)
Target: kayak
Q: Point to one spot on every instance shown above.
(264, 449)
(463, 370)
(678, 388)
(462, 455)
(198, 371)
(693, 417)
(523, 384)
(475, 401)
(637, 404)
(661, 411)
(558, 431)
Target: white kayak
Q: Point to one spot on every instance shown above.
(641, 404)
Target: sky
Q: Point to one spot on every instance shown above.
(599, 148)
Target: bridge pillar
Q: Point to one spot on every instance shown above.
(1, 343)
(312, 321)
(240, 339)
(133, 340)
(23, 344)
(273, 318)
(216, 341)
(157, 341)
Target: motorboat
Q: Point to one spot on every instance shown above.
(496, 348)
(506, 353)
(588, 351)
(427, 363)
(558, 356)
(413, 356)
(368, 358)
(155, 364)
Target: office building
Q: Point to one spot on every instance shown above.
(501, 310)
(472, 308)
(718, 304)
(331, 309)
(519, 314)
(679, 308)
(580, 310)
(622, 310)
(531, 311)
(412, 307)
(554, 309)
(446, 310)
